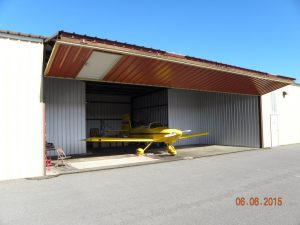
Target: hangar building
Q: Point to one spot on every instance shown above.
(57, 89)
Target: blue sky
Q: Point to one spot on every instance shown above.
(258, 34)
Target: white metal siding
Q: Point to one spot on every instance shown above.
(287, 110)
(151, 107)
(21, 114)
(230, 119)
(65, 114)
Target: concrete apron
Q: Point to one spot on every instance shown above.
(152, 156)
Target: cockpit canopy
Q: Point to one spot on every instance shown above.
(155, 125)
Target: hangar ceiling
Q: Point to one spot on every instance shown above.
(87, 58)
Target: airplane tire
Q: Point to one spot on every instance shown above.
(139, 151)
(171, 150)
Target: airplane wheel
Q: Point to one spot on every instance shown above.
(139, 151)
(171, 150)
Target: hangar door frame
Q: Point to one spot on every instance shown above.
(231, 119)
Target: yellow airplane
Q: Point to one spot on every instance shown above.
(150, 134)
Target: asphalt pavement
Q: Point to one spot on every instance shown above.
(266, 184)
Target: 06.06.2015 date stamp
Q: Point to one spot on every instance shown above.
(256, 201)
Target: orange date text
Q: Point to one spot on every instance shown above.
(256, 201)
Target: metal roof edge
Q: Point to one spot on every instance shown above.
(21, 36)
(54, 36)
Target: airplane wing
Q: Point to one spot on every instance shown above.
(194, 135)
(117, 139)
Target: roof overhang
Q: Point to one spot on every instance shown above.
(86, 58)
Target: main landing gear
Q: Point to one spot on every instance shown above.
(140, 151)
(170, 148)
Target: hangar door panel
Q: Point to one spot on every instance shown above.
(230, 119)
(65, 114)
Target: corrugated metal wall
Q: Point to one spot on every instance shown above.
(230, 119)
(105, 111)
(151, 107)
(65, 114)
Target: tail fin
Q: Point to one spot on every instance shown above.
(126, 124)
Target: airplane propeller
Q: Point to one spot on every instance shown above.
(170, 135)
(186, 131)
(174, 134)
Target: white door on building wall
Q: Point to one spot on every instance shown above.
(274, 131)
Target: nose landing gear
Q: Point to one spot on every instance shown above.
(171, 150)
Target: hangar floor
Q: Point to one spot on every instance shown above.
(158, 155)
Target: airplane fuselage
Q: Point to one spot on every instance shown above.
(158, 134)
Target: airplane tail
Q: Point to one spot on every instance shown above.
(126, 124)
